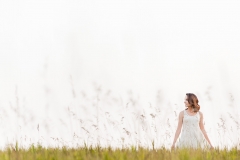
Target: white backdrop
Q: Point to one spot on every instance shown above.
(65, 63)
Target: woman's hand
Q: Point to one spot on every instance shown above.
(211, 147)
(173, 147)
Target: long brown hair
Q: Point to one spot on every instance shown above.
(193, 101)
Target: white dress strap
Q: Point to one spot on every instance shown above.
(185, 112)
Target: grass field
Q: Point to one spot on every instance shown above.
(87, 127)
(92, 153)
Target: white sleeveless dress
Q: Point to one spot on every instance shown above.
(191, 135)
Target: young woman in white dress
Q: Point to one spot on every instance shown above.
(190, 122)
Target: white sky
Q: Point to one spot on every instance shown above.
(174, 46)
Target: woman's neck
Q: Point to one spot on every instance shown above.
(190, 109)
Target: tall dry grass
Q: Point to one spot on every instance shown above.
(106, 119)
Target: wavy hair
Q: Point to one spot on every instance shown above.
(193, 101)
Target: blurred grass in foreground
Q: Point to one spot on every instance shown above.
(89, 153)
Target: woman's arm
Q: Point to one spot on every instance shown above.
(179, 127)
(203, 130)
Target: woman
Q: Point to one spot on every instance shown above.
(193, 129)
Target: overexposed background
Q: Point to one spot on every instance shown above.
(71, 70)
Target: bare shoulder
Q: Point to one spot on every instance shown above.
(181, 113)
(201, 114)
